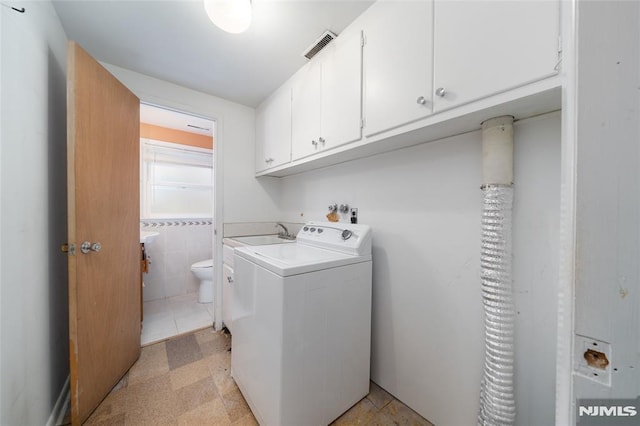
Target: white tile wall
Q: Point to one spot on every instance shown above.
(172, 253)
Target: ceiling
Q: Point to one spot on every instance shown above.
(175, 41)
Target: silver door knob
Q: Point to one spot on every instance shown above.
(440, 92)
(421, 100)
(86, 247)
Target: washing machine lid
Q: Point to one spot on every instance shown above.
(294, 259)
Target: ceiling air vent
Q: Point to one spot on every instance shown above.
(319, 44)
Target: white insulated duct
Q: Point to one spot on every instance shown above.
(497, 400)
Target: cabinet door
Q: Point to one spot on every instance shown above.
(341, 118)
(227, 296)
(273, 130)
(485, 47)
(305, 111)
(398, 64)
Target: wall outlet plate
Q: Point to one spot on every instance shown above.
(592, 359)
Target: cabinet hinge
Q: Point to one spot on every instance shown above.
(363, 40)
(362, 122)
(559, 44)
(559, 63)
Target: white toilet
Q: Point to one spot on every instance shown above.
(204, 272)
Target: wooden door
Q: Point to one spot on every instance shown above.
(103, 138)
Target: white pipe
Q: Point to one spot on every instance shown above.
(497, 400)
(497, 151)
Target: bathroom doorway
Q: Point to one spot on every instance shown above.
(177, 194)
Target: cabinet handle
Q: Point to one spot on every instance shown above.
(321, 140)
(440, 92)
(314, 143)
(268, 160)
(421, 100)
(229, 280)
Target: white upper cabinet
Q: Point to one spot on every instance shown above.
(327, 98)
(486, 47)
(342, 91)
(273, 130)
(305, 111)
(398, 64)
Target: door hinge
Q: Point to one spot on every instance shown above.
(68, 248)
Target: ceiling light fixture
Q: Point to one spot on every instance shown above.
(232, 16)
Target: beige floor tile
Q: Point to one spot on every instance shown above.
(190, 397)
(381, 419)
(359, 414)
(148, 402)
(235, 405)
(378, 396)
(189, 373)
(107, 413)
(182, 350)
(152, 363)
(225, 383)
(211, 413)
(222, 343)
(115, 420)
(403, 415)
(220, 363)
(206, 335)
(247, 420)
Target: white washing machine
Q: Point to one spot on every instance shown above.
(302, 325)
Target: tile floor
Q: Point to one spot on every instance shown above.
(186, 381)
(170, 317)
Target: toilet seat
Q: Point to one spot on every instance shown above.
(203, 264)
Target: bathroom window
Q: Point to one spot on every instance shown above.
(176, 181)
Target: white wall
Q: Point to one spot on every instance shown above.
(178, 246)
(33, 277)
(424, 205)
(246, 199)
(607, 192)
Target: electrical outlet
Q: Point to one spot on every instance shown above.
(354, 215)
(593, 359)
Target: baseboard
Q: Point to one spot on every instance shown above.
(61, 407)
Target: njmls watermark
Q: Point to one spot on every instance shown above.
(608, 412)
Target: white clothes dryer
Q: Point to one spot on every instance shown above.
(302, 324)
